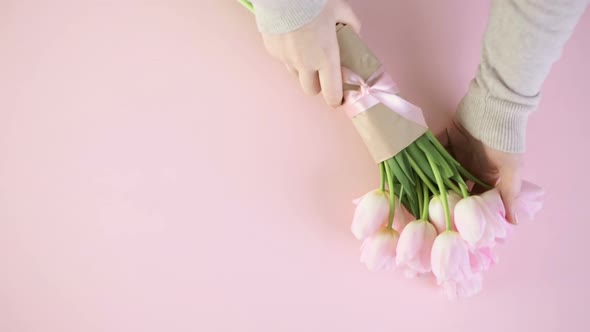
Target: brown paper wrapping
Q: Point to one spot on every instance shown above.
(384, 132)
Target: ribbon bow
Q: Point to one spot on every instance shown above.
(379, 88)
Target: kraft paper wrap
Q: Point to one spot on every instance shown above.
(384, 132)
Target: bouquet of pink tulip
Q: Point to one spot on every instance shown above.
(452, 233)
(424, 217)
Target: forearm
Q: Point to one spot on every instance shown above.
(281, 16)
(522, 41)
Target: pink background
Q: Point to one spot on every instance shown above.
(158, 172)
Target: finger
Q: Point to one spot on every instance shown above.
(309, 82)
(331, 82)
(509, 187)
(347, 16)
(331, 78)
(292, 70)
(270, 44)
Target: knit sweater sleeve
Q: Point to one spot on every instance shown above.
(522, 41)
(281, 16)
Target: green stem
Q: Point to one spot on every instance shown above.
(421, 174)
(443, 191)
(391, 195)
(426, 203)
(457, 177)
(464, 191)
(451, 159)
(383, 175)
(472, 177)
(453, 187)
(421, 201)
(401, 194)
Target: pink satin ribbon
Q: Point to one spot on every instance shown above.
(379, 88)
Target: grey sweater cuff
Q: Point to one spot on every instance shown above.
(498, 123)
(281, 16)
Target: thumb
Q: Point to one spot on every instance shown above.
(509, 187)
(345, 14)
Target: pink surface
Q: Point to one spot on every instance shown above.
(138, 192)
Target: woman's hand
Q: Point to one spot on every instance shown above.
(501, 169)
(312, 53)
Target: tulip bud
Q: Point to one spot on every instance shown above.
(372, 212)
(414, 247)
(451, 266)
(378, 251)
(470, 218)
(437, 212)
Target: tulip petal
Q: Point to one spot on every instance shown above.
(415, 246)
(529, 201)
(378, 251)
(470, 219)
(371, 213)
(437, 214)
(482, 259)
(449, 257)
(493, 201)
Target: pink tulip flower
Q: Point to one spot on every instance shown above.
(414, 248)
(493, 201)
(482, 259)
(372, 212)
(452, 267)
(465, 288)
(471, 215)
(529, 201)
(378, 251)
(497, 227)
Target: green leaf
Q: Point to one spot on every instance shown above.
(405, 167)
(441, 148)
(412, 207)
(429, 149)
(399, 175)
(420, 159)
(423, 177)
(404, 198)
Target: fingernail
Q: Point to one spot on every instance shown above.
(515, 218)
